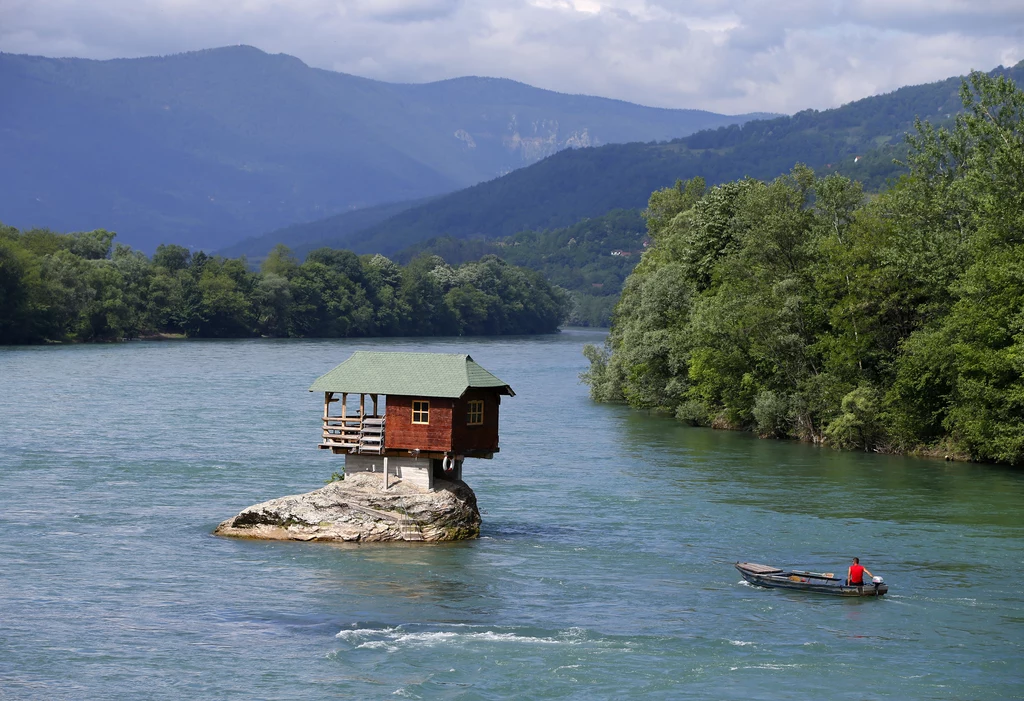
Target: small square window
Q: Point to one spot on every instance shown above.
(421, 412)
(475, 412)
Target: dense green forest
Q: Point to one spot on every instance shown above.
(859, 140)
(797, 307)
(590, 259)
(81, 287)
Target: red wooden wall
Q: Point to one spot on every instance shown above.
(483, 437)
(401, 432)
(447, 430)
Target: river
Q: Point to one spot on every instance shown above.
(604, 567)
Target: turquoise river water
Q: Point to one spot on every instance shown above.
(604, 569)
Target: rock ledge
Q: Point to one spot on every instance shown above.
(357, 509)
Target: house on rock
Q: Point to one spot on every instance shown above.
(418, 415)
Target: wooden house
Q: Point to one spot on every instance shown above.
(417, 416)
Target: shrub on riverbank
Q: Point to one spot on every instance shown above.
(800, 308)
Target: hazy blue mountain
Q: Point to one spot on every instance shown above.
(860, 139)
(208, 147)
(317, 234)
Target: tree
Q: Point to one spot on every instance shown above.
(172, 257)
(796, 308)
(18, 277)
(273, 300)
(281, 262)
(92, 245)
(224, 309)
(57, 287)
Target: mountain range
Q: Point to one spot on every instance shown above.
(861, 139)
(208, 147)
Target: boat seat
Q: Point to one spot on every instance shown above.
(759, 569)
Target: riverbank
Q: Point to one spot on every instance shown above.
(942, 451)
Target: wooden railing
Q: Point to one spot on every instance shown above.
(354, 434)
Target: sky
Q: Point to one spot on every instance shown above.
(727, 56)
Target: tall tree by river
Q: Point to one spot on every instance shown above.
(801, 308)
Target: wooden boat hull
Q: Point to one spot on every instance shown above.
(817, 582)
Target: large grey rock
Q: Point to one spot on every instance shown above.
(357, 509)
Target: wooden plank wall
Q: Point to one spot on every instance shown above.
(483, 437)
(448, 429)
(401, 433)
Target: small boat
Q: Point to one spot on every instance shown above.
(821, 582)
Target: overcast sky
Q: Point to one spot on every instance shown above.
(722, 55)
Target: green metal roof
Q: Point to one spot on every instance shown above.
(408, 374)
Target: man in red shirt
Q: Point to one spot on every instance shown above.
(855, 575)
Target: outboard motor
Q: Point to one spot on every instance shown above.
(876, 581)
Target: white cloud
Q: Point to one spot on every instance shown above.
(723, 55)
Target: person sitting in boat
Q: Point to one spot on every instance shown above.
(855, 575)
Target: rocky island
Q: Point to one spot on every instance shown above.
(417, 418)
(360, 509)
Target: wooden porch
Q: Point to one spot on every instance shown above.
(352, 433)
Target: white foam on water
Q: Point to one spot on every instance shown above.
(773, 666)
(441, 637)
(377, 645)
(740, 642)
(426, 639)
(394, 638)
(356, 633)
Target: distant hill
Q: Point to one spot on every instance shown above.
(591, 258)
(208, 147)
(860, 139)
(312, 235)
